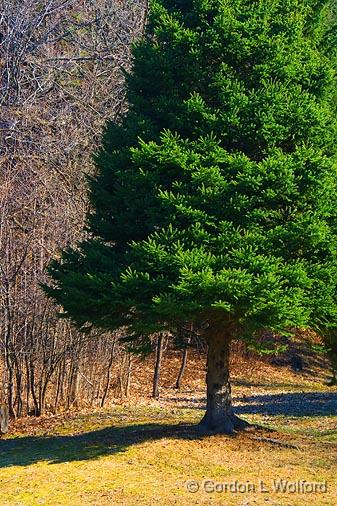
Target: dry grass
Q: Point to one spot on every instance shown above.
(143, 453)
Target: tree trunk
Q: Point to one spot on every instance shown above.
(73, 385)
(182, 368)
(219, 416)
(156, 377)
(3, 419)
(107, 384)
(128, 376)
(333, 360)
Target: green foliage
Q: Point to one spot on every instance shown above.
(215, 197)
(267, 348)
(318, 348)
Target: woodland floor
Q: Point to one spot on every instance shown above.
(142, 452)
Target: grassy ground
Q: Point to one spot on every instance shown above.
(143, 454)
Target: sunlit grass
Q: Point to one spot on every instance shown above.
(144, 455)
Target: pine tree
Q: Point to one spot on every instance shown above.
(215, 198)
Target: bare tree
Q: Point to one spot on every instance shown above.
(61, 78)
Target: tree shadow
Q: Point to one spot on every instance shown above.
(24, 451)
(266, 384)
(297, 404)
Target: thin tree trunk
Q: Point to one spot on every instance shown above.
(182, 368)
(9, 356)
(156, 377)
(18, 376)
(10, 396)
(219, 416)
(107, 384)
(128, 376)
(36, 410)
(4, 416)
(27, 385)
(333, 360)
(73, 385)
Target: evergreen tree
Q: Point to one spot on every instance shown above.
(215, 198)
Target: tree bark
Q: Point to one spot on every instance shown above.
(182, 368)
(333, 360)
(107, 384)
(4, 415)
(128, 376)
(156, 376)
(219, 416)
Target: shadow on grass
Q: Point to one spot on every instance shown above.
(24, 451)
(296, 404)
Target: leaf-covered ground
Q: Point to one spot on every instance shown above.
(145, 453)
